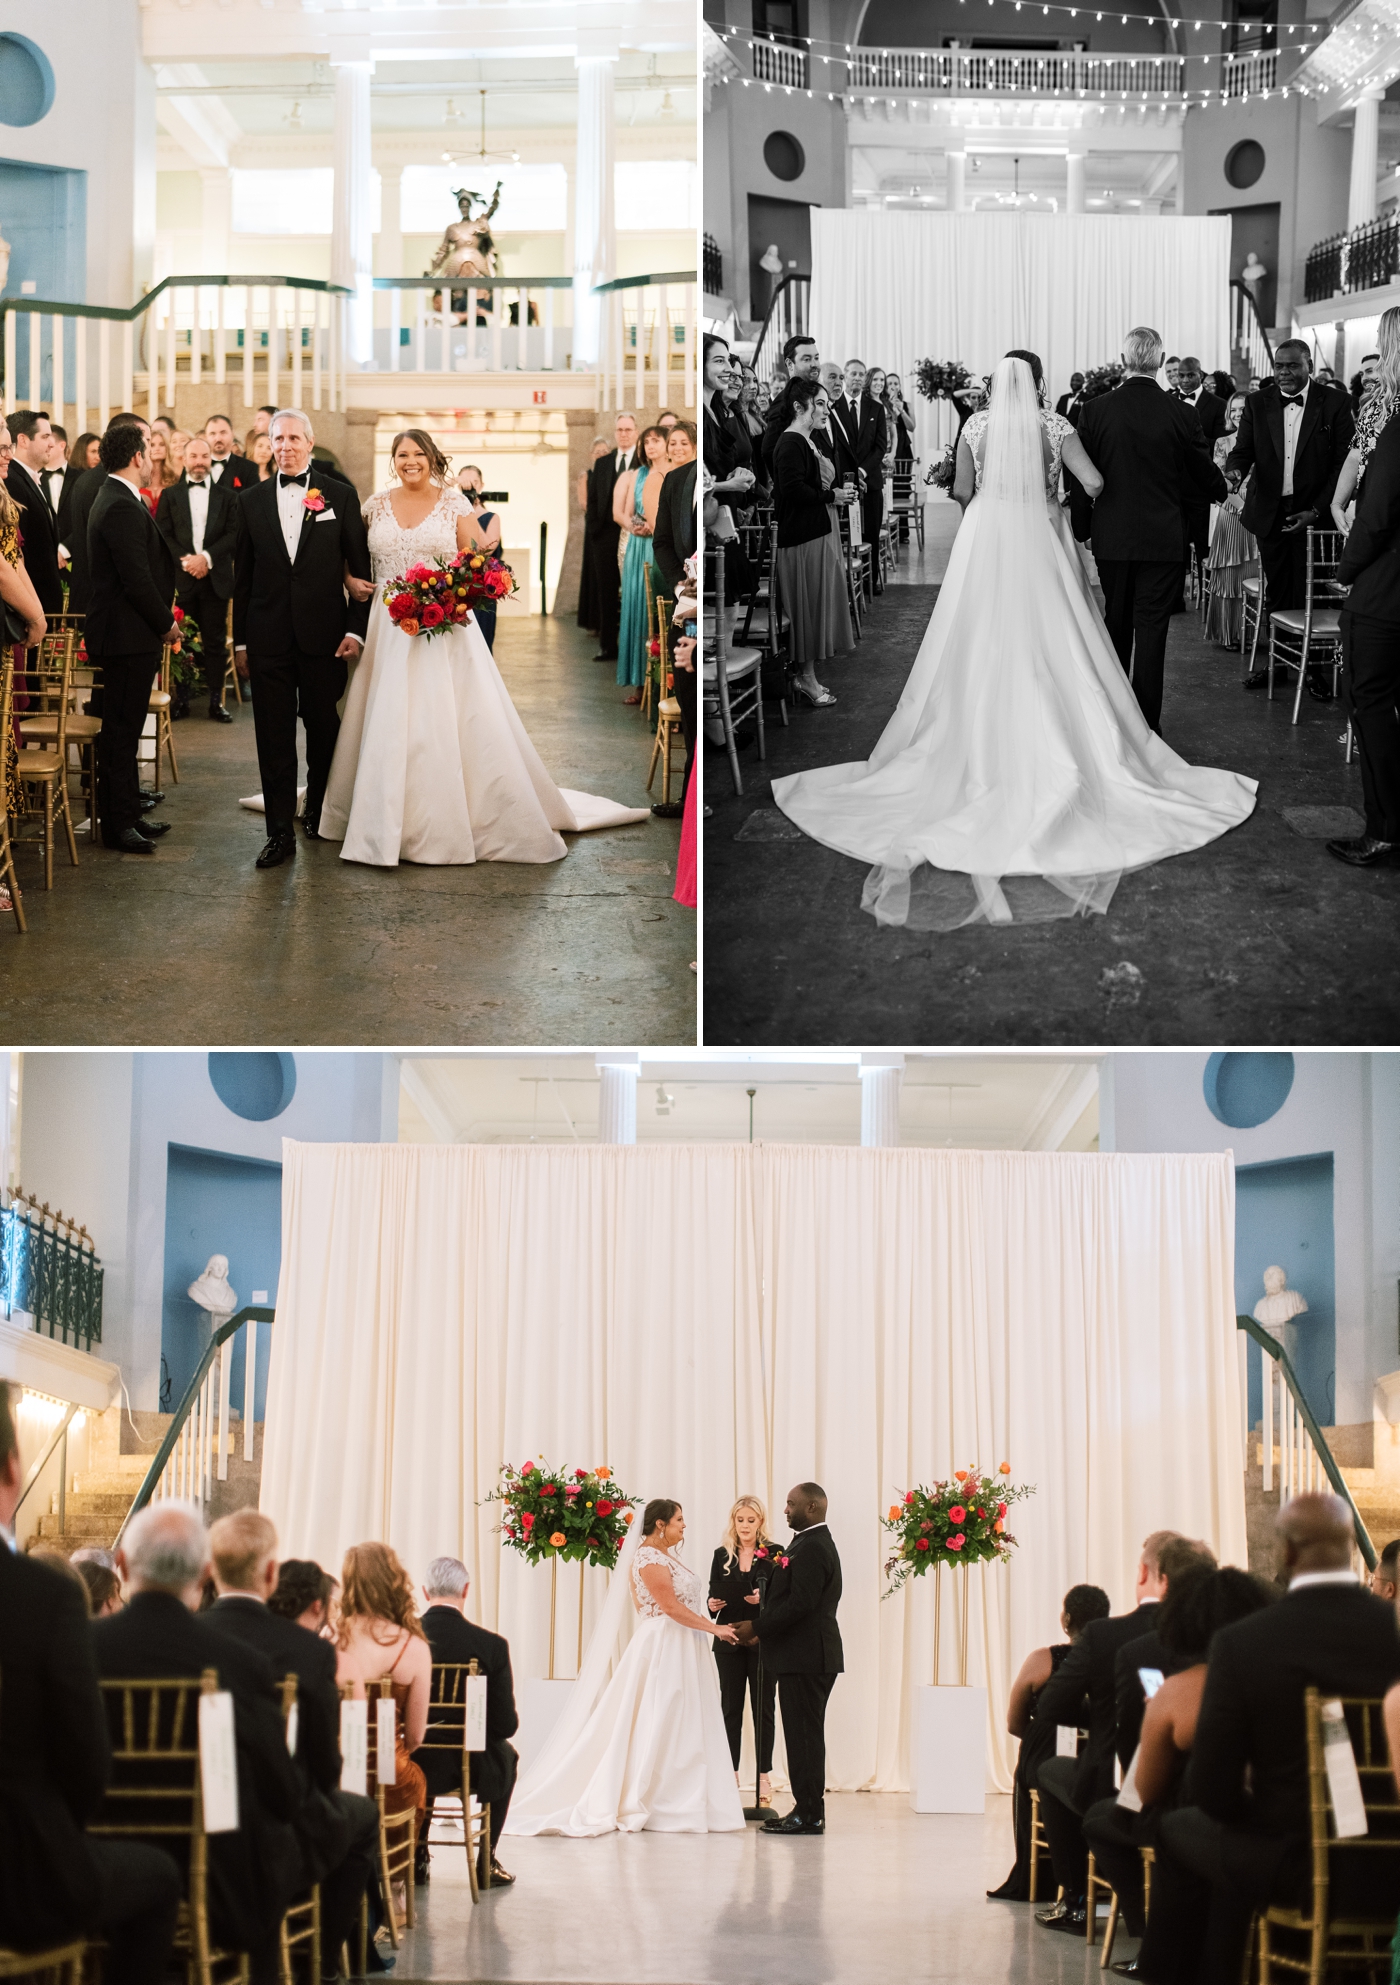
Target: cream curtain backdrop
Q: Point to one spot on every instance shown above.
(894, 288)
(712, 1320)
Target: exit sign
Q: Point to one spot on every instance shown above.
(540, 397)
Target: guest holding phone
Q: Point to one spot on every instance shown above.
(739, 1572)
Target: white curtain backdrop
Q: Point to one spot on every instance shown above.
(714, 1320)
(894, 288)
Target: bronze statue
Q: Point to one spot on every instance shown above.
(467, 250)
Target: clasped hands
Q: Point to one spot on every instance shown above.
(743, 1635)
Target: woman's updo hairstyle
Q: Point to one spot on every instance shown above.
(439, 465)
(1037, 370)
(798, 395)
(659, 1510)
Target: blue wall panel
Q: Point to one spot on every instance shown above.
(1283, 1215)
(217, 1204)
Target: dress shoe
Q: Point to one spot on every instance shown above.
(129, 842)
(1056, 1911)
(501, 1878)
(1366, 853)
(150, 799)
(1319, 688)
(1129, 1968)
(280, 848)
(219, 716)
(601, 657)
(793, 1825)
(668, 810)
(1256, 679)
(1072, 1922)
(421, 1860)
(311, 829)
(151, 830)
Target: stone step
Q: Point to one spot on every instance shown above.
(79, 1530)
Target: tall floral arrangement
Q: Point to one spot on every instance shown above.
(940, 378)
(958, 1522)
(578, 1514)
(1100, 379)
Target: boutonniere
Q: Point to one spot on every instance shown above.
(783, 1561)
(313, 500)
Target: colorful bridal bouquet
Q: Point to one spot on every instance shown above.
(578, 1514)
(430, 599)
(953, 1523)
(939, 379)
(1100, 379)
(942, 473)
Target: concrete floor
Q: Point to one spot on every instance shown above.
(195, 946)
(884, 1894)
(1260, 937)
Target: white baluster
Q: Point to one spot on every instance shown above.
(10, 341)
(296, 347)
(1243, 1340)
(688, 345)
(59, 381)
(128, 340)
(522, 311)
(225, 1381)
(549, 329)
(196, 338)
(36, 358)
(208, 1429)
(250, 1368)
(104, 371)
(80, 341)
(1268, 1458)
(395, 325)
(170, 360)
(274, 339)
(445, 360)
(420, 330)
(220, 313)
(248, 314)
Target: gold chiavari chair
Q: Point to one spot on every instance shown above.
(1097, 1885)
(649, 673)
(301, 1925)
(162, 697)
(62, 1964)
(447, 1711)
(8, 793)
(668, 710)
(43, 733)
(396, 1830)
(1040, 1846)
(156, 1794)
(230, 681)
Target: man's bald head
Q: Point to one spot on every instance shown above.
(1316, 1533)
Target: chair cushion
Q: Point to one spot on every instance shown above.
(1326, 624)
(37, 764)
(742, 662)
(159, 700)
(670, 709)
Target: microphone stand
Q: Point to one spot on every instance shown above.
(757, 1811)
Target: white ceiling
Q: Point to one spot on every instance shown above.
(979, 1102)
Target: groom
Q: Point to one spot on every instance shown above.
(1151, 452)
(801, 1645)
(292, 623)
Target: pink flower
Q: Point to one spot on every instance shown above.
(956, 1543)
(957, 1514)
(527, 1467)
(313, 501)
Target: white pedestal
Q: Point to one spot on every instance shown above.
(948, 1750)
(541, 1706)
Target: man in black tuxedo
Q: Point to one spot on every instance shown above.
(198, 519)
(1069, 1786)
(455, 1638)
(1371, 654)
(58, 1882)
(129, 620)
(801, 1644)
(673, 542)
(293, 628)
(226, 465)
(600, 532)
(1192, 391)
(255, 1872)
(37, 524)
(1293, 438)
(1068, 404)
(53, 477)
(858, 431)
(803, 361)
(1153, 458)
(1240, 1837)
(338, 1831)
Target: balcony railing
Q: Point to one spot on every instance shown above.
(712, 267)
(1366, 258)
(1250, 75)
(1014, 72)
(49, 1271)
(779, 62)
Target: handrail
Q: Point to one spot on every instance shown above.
(643, 282)
(473, 282)
(1275, 1350)
(1253, 310)
(788, 286)
(182, 1412)
(116, 315)
(44, 1459)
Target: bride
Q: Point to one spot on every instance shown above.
(433, 763)
(1017, 778)
(646, 1748)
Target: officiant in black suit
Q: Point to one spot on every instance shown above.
(294, 626)
(454, 1638)
(198, 519)
(1294, 435)
(1153, 458)
(858, 431)
(38, 526)
(129, 620)
(600, 532)
(1371, 654)
(801, 1642)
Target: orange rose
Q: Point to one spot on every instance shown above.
(894, 1512)
(558, 1540)
(998, 1526)
(628, 1514)
(1005, 1468)
(602, 1473)
(409, 626)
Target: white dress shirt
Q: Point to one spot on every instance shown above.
(1292, 422)
(291, 508)
(199, 512)
(54, 492)
(217, 467)
(1322, 1578)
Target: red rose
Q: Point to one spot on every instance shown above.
(527, 1519)
(605, 1508)
(527, 1467)
(580, 1474)
(1001, 1509)
(178, 613)
(922, 1544)
(909, 1497)
(956, 1543)
(549, 1489)
(957, 1514)
(981, 1512)
(432, 615)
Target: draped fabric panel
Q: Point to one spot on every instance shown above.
(894, 288)
(714, 1320)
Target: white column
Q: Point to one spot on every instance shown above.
(617, 1099)
(1149, 207)
(957, 168)
(215, 217)
(1361, 199)
(594, 255)
(352, 242)
(880, 1077)
(1074, 189)
(390, 255)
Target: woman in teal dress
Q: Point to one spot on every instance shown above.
(634, 506)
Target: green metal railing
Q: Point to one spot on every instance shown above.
(1271, 1348)
(49, 1268)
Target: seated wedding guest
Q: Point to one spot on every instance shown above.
(104, 1588)
(808, 559)
(1082, 1604)
(484, 530)
(380, 1634)
(1385, 1579)
(339, 1831)
(1234, 555)
(197, 518)
(452, 1637)
(1240, 1836)
(1180, 1555)
(303, 1593)
(58, 1882)
(739, 1571)
(1069, 1786)
(1200, 1600)
(254, 1872)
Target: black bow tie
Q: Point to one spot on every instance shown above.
(282, 480)
(195, 482)
(1292, 399)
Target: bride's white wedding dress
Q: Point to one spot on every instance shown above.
(433, 763)
(1017, 778)
(650, 1752)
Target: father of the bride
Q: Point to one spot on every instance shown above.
(293, 623)
(801, 1644)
